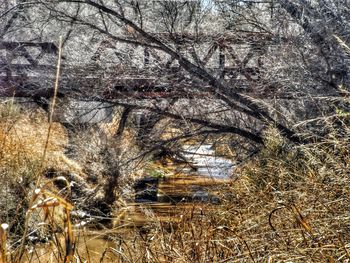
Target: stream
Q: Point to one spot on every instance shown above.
(191, 186)
(199, 181)
(208, 164)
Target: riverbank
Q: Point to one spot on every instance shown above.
(289, 202)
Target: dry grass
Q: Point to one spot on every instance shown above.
(289, 204)
(24, 137)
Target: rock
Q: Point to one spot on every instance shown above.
(146, 190)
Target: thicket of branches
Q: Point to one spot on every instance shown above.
(231, 67)
(293, 46)
(197, 69)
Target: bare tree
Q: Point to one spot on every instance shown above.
(213, 66)
(170, 46)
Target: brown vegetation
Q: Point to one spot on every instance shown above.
(288, 203)
(236, 69)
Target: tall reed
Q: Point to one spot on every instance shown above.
(40, 171)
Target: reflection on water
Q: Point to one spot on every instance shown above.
(196, 180)
(157, 201)
(90, 247)
(207, 163)
(201, 180)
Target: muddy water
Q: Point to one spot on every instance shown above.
(199, 180)
(90, 247)
(202, 180)
(189, 187)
